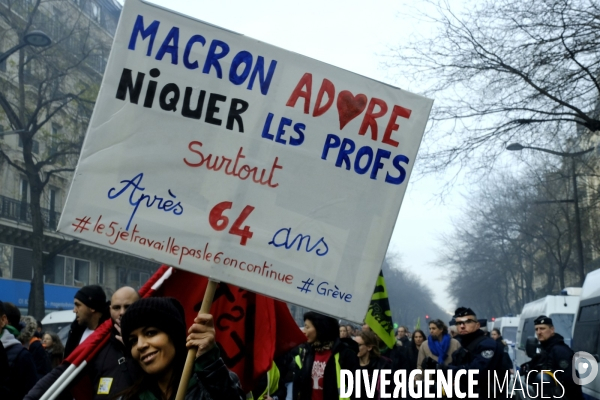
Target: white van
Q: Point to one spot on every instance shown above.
(562, 309)
(59, 323)
(586, 332)
(508, 328)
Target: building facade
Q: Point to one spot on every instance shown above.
(75, 26)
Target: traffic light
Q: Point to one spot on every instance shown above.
(427, 317)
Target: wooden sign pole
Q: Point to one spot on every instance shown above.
(209, 294)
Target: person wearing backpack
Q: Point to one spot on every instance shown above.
(22, 370)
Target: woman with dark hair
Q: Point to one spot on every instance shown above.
(438, 347)
(321, 358)
(343, 332)
(506, 361)
(54, 348)
(154, 333)
(414, 346)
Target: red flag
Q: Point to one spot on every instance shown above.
(251, 329)
(87, 350)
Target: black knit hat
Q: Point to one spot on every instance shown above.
(163, 313)
(543, 320)
(92, 296)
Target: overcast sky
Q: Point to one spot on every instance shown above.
(353, 35)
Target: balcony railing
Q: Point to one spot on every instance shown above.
(19, 211)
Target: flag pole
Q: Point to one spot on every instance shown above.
(209, 294)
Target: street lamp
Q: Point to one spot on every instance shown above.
(33, 38)
(519, 147)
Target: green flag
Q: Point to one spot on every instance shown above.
(418, 326)
(379, 315)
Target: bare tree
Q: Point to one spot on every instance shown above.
(44, 88)
(516, 241)
(505, 71)
(409, 297)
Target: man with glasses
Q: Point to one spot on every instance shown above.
(478, 352)
(401, 335)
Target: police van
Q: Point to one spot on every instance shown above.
(586, 332)
(562, 309)
(508, 327)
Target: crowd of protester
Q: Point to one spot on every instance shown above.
(145, 355)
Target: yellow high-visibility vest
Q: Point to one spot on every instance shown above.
(337, 370)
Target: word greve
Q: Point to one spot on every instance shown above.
(325, 289)
(398, 384)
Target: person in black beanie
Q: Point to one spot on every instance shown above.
(109, 372)
(91, 309)
(154, 333)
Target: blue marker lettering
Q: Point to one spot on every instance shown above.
(135, 185)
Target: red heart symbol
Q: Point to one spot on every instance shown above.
(350, 106)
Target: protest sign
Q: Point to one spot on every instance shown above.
(237, 160)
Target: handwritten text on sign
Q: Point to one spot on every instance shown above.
(241, 161)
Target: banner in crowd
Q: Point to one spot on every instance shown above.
(244, 162)
(379, 315)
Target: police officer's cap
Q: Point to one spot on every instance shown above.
(463, 312)
(543, 320)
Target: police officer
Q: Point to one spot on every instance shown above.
(478, 352)
(554, 355)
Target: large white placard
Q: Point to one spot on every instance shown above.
(244, 162)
